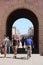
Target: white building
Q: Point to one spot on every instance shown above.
(15, 31)
(31, 31)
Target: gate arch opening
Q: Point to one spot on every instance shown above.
(24, 13)
(23, 26)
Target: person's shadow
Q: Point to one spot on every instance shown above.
(22, 58)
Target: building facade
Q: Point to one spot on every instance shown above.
(11, 10)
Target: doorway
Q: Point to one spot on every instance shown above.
(24, 13)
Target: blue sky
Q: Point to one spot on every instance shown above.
(23, 25)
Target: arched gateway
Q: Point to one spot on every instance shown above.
(24, 13)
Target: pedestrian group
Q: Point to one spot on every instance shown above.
(14, 43)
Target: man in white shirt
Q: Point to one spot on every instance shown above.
(6, 43)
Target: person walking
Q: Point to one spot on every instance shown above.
(8, 45)
(6, 41)
(29, 42)
(15, 45)
(23, 41)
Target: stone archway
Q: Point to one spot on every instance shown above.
(24, 13)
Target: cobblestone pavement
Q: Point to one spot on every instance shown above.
(21, 59)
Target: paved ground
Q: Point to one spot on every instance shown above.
(36, 59)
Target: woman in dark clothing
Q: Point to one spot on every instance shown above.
(23, 41)
(14, 45)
